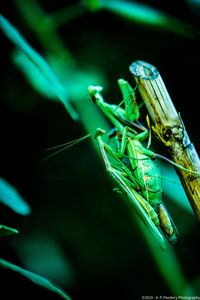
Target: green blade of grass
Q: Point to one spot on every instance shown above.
(4, 230)
(45, 25)
(148, 16)
(169, 266)
(137, 12)
(10, 197)
(93, 5)
(37, 279)
(13, 34)
(75, 80)
(37, 80)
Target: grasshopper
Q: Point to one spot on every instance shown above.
(140, 179)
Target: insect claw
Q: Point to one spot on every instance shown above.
(93, 91)
(174, 239)
(99, 132)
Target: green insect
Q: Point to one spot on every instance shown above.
(130, 164)
(140, 178)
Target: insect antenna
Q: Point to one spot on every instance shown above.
(65, 146)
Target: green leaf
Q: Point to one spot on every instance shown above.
(4, 230)
(10, 197)
(44, 255)
(148, 16)
(137, 12)
(173, 187)
(37, 279)
(37, 79)
(13, 34)
(93, 5)
(73, 79)
(169, 266)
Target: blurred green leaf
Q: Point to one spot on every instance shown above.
(169, 266)
(44, 255)
(34, 278)
(137, 12)
(4, 230)
(36, 78)
(41, 65)
(148, 16)
(66, 15)
(93, 5)
(10, 197)
(172, 186)
(74, 80)
(45, 26)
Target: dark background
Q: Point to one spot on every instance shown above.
(71, 197)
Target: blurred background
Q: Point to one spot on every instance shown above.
(80, 234)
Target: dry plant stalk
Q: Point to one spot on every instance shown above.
(169, 128)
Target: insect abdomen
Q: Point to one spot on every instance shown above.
(168, 226)
(148, 208)
(149, 179)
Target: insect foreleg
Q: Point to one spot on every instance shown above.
(142, 136)
(117, 157)
(108, 110)
(132, 112)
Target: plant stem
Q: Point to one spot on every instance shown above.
(169, 128)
